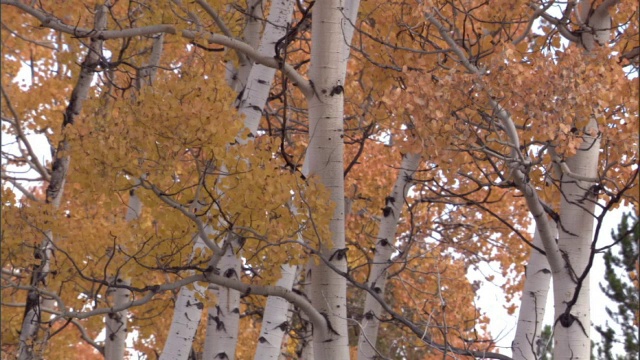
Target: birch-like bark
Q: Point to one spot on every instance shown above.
(223, 319)
(188, 307)
(526, 344)
(325, 156)
(255, 94)
(307, 350)
(274, 320)
(237, 78)
(305, 332)
(381, 261)
(567, 258)
(577, 206)
(186, 317)
(116, 323)
(184, 326)
(32, 317)
(350, 12)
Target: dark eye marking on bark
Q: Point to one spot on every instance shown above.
(337, 90)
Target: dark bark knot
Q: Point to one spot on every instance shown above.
(339, 254)
(284, 326)
(337, 90)
(229, 273)
(370, 315)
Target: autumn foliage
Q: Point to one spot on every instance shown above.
(433, 78)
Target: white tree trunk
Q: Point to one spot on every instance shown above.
(305, 346)
(325, 157)
(254, 96)
(116, 323)
(223, 319)
(186, 317)
(55, 189)
(348, 25)
(274, 321)
(526, 344)
(381, 260)
(237, 78)
(577, 206)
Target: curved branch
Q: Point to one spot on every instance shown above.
(562, 28)
(176, 205)
(318, 320)
(221, 25)
(22, 189)
(295, 77)
(537, 13)
(54, 23)
(316, 317)
(531, 195)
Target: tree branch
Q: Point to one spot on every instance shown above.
(16, 123)
(56, 24)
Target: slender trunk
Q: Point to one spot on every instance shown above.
(305, 334)
(254, 96)
(223, 319)
(526, 344)
(237, 78)
(274, 321)
(573, 322)
(348, 25)
(32, 318)
(577, 206)
(255, 19)
(307, 350)
(186, 317)
(325, 157)
(116, 323)
(381, 261)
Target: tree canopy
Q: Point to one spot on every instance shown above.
(304, 179)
